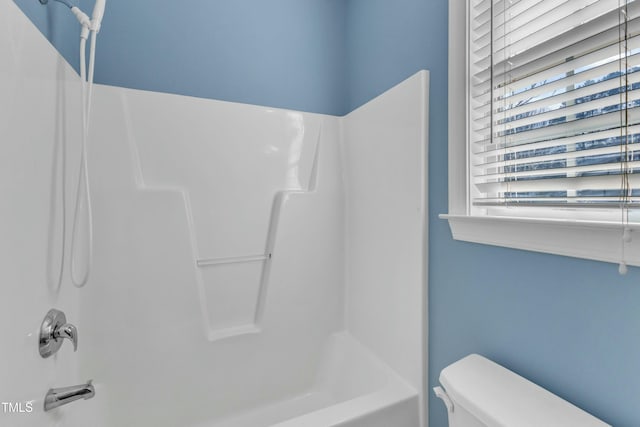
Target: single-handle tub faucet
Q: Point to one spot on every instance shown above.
(61, 396)
(53, 331)
(69, 332)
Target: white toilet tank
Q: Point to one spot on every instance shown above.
(481, 393)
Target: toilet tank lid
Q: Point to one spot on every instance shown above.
(499, 397)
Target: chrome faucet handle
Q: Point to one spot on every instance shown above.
(69, 332)
(53, 331)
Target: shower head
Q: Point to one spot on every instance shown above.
(98, 13)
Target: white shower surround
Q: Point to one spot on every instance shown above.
(328, 330)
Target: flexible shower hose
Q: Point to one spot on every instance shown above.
(83, 211)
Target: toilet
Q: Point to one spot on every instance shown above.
(480, 393)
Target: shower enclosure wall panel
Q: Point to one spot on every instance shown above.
(148, 244)
(39, 131)
(235, 165)
(149, 239)
(253, 267)
(386, 190)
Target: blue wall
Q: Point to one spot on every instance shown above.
(280, 53)
(571, 325)
(389, 41)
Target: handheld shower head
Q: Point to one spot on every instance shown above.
(98, 13)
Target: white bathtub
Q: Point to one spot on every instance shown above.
(351, 389)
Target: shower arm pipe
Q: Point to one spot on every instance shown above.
(64, 2)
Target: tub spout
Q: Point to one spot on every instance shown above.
(61, 396)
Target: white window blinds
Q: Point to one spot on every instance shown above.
(554, 108)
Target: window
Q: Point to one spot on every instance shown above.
(549, 159)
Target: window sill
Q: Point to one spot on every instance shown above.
(595, 240)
